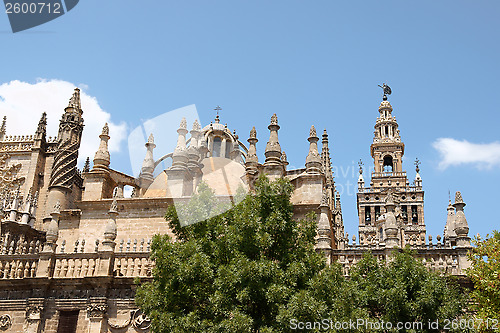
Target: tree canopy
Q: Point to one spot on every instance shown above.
(253, 268)
(485, 273)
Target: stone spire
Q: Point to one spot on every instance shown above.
(64, 171)
(252, 161)
(418, 179)
(313, 161)
(235, 153)
(273, 148)
(361, 180)
(449, 229)
(148, 165)
(41, 130)
(325, 158)
(86, 167)
(3, 128)
(284, 159)
(193, 153)
(179, 156)
(461, 225)
(194, 157)
(390, 225)
(324, 242)
(102, 158)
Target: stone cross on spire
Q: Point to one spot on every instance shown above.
(217, 109)
(417, 163)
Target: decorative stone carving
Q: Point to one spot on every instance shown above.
(33, 312)
(137, 319)
(5, 322)
(97, 310)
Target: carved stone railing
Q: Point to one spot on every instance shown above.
(76, 265)
(18, 266)
(436, 258)
(133, 264)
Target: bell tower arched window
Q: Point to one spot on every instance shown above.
(388, 163)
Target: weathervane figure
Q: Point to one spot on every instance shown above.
(387, 90)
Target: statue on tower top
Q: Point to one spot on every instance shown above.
(387, 90)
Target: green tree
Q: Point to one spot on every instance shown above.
(253, 268)
(234, 272)
(485, 274)
(404, 290)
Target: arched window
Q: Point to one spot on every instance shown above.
(229, 145)
(388, 163)
(414, 214)
(381, 235)
(216, 147)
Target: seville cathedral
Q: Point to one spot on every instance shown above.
(72, 244)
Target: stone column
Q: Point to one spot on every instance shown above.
(324, 242)
(107, 255)
(46, 260)
(96, 313)
(34, 312)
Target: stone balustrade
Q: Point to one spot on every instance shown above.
(133, 265)
(76, 265)
(18, 266)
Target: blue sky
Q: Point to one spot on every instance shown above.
(316, 62)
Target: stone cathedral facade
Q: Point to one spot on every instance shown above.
(71, 243)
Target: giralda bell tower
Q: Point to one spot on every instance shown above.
(389, 189)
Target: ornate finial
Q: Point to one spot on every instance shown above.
(42, 124)
(458, 197)
(86, 167)
(449, 196)
(387, 90)
(417, 163)
(274, 119)
(57, 207)
(114, 206)
(360, 163)
(105, 130)
(183, 124)
(4, 123)
(217, 109)
(196, 125)
(312, 131)
(74, 101)
(151, 138)
(253, 133)
(283, 157)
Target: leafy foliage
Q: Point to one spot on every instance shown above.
(404, 290)
(485, 274)
(253, 268)
(234, 272)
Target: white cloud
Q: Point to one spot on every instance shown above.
(23, 104)
(454, 152)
